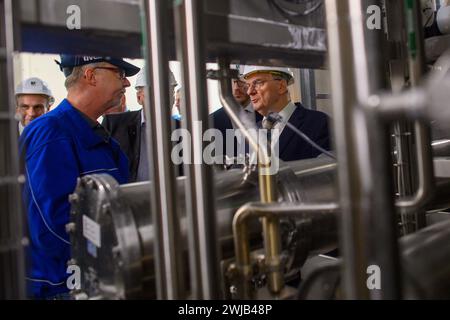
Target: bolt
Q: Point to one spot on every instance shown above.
(73, 198)
(106, 207)
(233, 289)
(25, 241)
(70, 227)
(90, 184)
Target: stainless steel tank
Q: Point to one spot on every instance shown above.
(112, 234)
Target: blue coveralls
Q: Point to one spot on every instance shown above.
(59, 147)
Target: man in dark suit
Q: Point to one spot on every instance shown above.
(222, 122)
(128, 128)
(268, 91)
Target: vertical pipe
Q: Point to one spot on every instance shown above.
(343, 85)
(267, 188)
(308, 88)
(12, 255)
(417, 67)
(192, 232)
(377, 202)
(169, 266)
(368, 221)
(200, 194)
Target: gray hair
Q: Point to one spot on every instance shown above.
(77, 74)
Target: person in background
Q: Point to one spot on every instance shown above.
(222, 122)
(129, 130)
(175, 113)
(60, 147)
(33, 99)
(267, 88)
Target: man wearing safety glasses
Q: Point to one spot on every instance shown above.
(58, 148)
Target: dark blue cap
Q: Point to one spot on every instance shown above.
(68, 62)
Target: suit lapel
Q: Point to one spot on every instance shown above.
(287, 135)
(134, 134)
(134, 131)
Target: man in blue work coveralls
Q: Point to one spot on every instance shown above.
(61, 146)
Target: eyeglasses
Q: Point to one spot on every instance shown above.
(119, 71)
(240, 84)
(257, 84)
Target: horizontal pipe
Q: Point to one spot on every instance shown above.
(255, 210)
(426, 185)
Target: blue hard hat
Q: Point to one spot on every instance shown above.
(68, 62)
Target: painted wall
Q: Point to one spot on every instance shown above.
(43, 66)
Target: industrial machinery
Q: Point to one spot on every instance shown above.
(112, 234)
(313, 229)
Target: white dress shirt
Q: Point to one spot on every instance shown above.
(285, 114)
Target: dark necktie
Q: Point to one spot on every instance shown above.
(268, 125)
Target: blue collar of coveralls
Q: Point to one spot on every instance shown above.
(83, 130)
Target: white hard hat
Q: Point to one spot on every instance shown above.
(284, 72)
(140, 79)
(35, 86)
(142, 82)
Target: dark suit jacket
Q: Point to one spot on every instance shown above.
(220, 120)
(312, 123)
(125, 127)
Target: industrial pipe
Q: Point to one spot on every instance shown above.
(266, 177)
(168, 259)
(368, 228)
(204, 252)
(271, 211)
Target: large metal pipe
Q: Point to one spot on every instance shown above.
(169, 266)
(123, 266)
(425, 257)
(203, 239)
(441, 148)
(266, 178)
(368, 228)
(427, 102)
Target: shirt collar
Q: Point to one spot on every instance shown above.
(249, 108)
(285, 114)
(21, 127)
(91, 122)
(287, 111)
